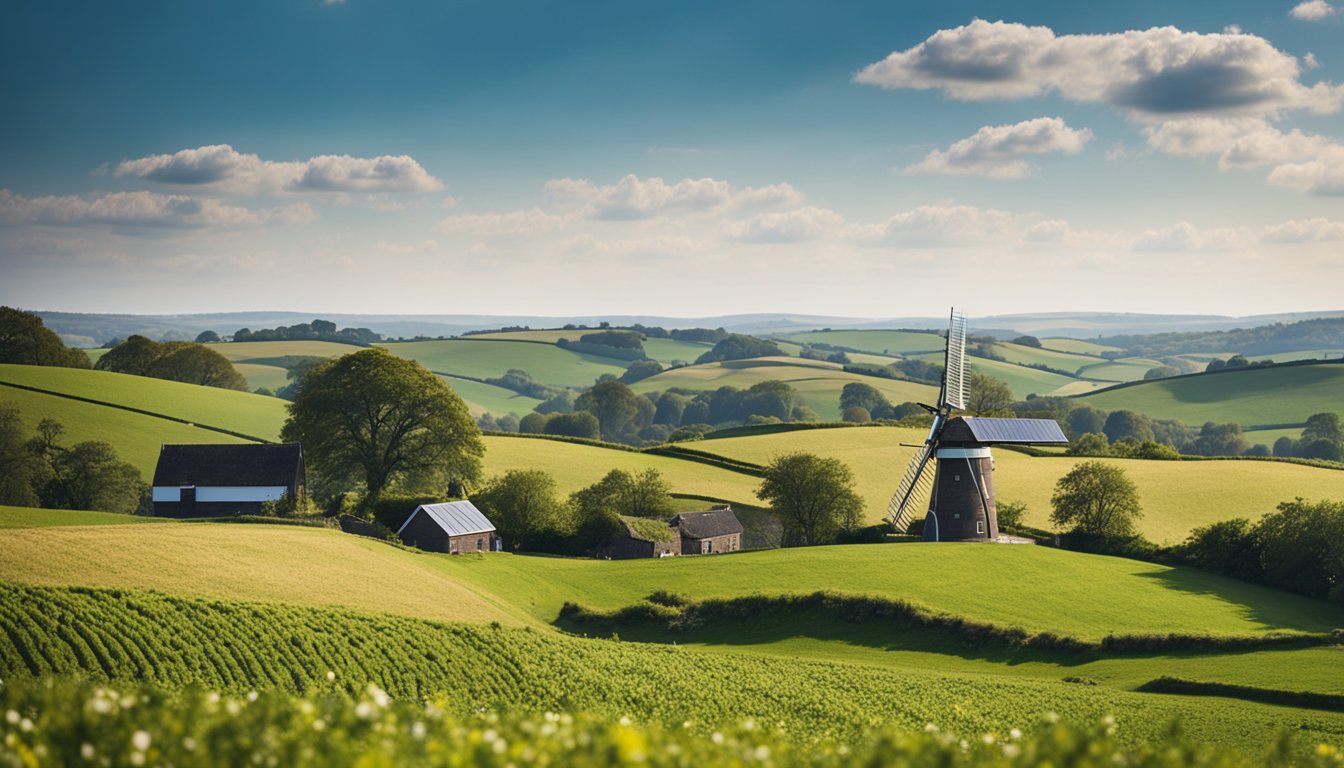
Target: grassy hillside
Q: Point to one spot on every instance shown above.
(1034, 588)
(302, 566)
(1077, 346)
(27, 517)
(663, 350)
(877, 342)
(575, 466)
(136, 437)
(1177, 496)
(818, 383)
(1258, 396)
(242, 647)
(490, 359)
(242, 412)
(244, 351)
(1123, 369)
(1061, 361)
(481, 398)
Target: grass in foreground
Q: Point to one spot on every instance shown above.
(67, 723)
(127, 636)
(28, 517)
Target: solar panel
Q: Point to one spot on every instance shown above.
(1025, 431)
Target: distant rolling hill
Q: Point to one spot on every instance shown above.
(1280, 395)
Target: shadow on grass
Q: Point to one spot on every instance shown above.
(1271, 608)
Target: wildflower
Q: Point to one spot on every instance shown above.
(141, 741)
(331, 675)
(86, 751)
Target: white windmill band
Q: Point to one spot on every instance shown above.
(962, 453)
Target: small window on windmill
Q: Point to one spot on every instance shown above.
(956, 478)
(979, 526)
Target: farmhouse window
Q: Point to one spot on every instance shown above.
(480, 545)
(956, 478)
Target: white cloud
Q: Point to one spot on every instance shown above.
(996, 151)
(1305, 231)
(1185, 236)
(1239, 142)
(221, 166)
(1052, 231)
(144, 210)
(807, 223)
(635, 198)
(1149, 73)
(1321, 175)
(527, 222)
(934, 226)
(1312, 10)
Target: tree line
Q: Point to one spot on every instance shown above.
(40, 470)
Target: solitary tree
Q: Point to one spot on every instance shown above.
(26, 340)
(813, 497)
(1096, 498)
(642, 495)
(383, 420)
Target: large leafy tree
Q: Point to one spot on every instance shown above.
(26, 340)
(619, 411)
(1096, 498)
(19, 466)
(813, 497)
(382, 420)
(646, 494)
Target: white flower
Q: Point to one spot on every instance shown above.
(141, 740)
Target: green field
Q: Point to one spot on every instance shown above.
(1258, 396)
(1077, 346)
(243, 351)
(1177, 496)
(877, 342)
(27, 517)
(1020, 379)
(491, 359)
(1060, 361)
(576, 466)
(818, 383)
(242, 412)
(272, 377)
(136, 437)
(1123, 369)
(481, 398)
(240, 647)
(663, 350)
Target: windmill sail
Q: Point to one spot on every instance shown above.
(913, 488)
(954, 386)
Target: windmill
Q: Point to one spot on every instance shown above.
(960, 487)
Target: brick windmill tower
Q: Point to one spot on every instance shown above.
(961, 485)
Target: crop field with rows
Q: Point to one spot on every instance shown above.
(120, 636)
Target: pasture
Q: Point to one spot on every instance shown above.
(1251, 397)
(1077, 346)
(818, 383)
(248, 414)
(484, 359)
(888, 343)
(136, 437)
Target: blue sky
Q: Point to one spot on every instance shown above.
(672, 158)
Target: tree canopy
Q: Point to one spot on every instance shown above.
(739, 347)
(382, 420)
(172, 360)
(987, 396)
(814, 498)
(1096, 498)
(523, 505)
(26, 340)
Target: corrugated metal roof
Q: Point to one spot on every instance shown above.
(456, 518)
(1024, 431)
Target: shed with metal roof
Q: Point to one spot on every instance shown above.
(453, 527)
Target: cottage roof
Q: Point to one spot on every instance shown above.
(238, 464)
(647, 529)
(456, 518)
(707, 524)
(986, 430)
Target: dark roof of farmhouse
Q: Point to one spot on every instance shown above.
(708, 524)
(986, 430)
(237, 464)
(456, 518)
